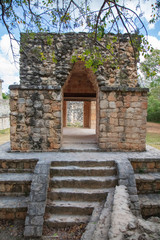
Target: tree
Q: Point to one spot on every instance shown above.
(151, 71)
(151, 68)
(5, 95)
(68, 15)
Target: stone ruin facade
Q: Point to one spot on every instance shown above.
(4, 110)
(48, 79)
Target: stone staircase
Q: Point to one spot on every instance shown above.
(15, 181)
(76, 188)
(147, 175)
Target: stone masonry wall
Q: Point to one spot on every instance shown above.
(46, 59)
(123, 119)
(35, 120)
(37, 103)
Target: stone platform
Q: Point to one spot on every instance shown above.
(46, 173)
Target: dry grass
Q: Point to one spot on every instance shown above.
(153, 135)
(4, 136)
(153, 139)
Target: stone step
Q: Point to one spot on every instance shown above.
(13, 207)
(83, 163)
(56, 220)
(150, 205)
(70, 207)
(148, 183)
(17, 165)
(75, 194)
(15, 184)
(82, 171)
(100, 221)
(83, 182)
(78, 147)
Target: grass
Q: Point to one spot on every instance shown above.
(5, 131)
(153, 139)
(4, 136)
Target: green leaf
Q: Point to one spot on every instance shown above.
(55, 235)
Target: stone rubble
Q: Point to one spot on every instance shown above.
(126, 226)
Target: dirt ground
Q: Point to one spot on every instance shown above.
(153, 127)
(13, 230)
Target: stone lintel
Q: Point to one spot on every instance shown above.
(14, 87)
(123, 89)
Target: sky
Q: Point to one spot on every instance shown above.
(9, 72)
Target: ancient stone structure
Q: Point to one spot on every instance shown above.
(74, 113)
(48, 78)
(4, 111)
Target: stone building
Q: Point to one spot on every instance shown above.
(75, 114)
(48, 79)
(4, 110)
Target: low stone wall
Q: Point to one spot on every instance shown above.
(123, 119)
(145, 165)
(126, 178)
(37, 202)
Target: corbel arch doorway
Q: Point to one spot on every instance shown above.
(80, 88)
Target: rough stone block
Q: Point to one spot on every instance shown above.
(36, 208)
(111, 97)
(103, 104)
(112, 105)
(150, 165)
(37, 220)
(29, 231)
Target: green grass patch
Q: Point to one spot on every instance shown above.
(153, 139)
(76, 124)
(5, 131)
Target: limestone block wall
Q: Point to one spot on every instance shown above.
(123, 119)
(35, 119)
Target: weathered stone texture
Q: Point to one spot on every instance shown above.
(37, 203)
(35, 120)
(35, 71)
(48, 78)
(122, 120)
